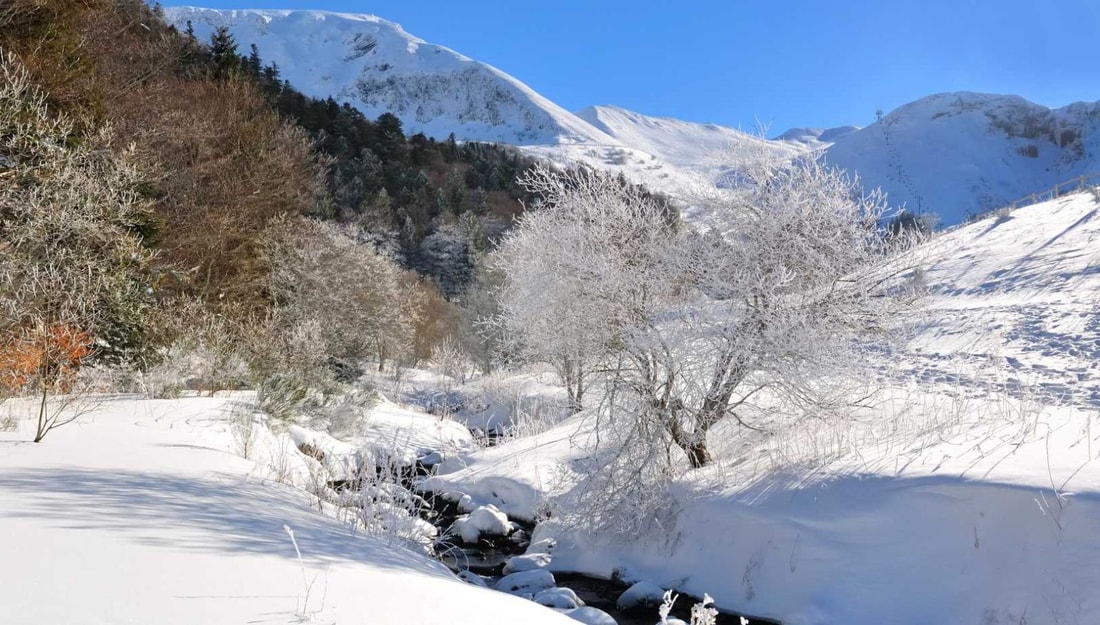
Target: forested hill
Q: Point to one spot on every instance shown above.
(434, 205)
(188, 104)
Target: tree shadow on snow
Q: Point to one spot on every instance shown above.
(220, 514)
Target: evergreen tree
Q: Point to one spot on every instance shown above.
(223, 52)
(255, 66)
(271, 74)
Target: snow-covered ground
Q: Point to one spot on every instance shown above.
(141, 513)
(970, 494)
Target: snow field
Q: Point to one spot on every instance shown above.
(141, 513)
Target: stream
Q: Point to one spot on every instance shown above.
(488, 557)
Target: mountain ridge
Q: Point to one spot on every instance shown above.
(378, 67)
(955, 154)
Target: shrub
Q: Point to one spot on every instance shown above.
(74, 264)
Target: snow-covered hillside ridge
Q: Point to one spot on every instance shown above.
(681, 143)
(377, 67)
(816, 137)
(959, 154)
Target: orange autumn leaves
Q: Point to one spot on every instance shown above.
(51, 356)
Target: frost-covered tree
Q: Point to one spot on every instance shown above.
(571, 291)
(685, 328)
(339, 302)
(73, 263)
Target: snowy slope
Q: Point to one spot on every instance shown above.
(816, 137)
(968, 494)
(684, 144)
(958, 154)
(378, 67)
(140, 514)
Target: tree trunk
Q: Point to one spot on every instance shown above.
(698, 454)
(40, 432)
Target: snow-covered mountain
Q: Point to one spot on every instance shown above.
(954, 154)
(684, 144)
(377, 67)
(958, 154)
(816, 136)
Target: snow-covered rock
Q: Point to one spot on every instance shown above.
(473, 578)
(544, 545)
(483, 521)
(340, 459)
(527, 562)
(640, 595)
(526, 583)
(559, 598)
(590, 616)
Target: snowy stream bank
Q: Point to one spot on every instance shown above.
(509, 562)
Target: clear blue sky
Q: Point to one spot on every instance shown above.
(786, 62)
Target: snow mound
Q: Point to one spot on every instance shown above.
(389, 433)
(590, 616)
(526, 583)
(559, 598)
(527, 562)
(140, 514)
(483, 521)
(641, 595)
(340, 459)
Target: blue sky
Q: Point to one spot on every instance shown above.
(785, 62)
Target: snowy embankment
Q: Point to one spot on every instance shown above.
(140, 513)
(969, 494)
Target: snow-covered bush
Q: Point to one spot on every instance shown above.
(202, 350)
(352, 297)
(702, 613)
(515, 406)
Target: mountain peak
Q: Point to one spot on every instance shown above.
(376, 66)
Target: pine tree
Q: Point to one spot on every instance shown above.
(271, 74)
(223, 52)
(254, 64)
